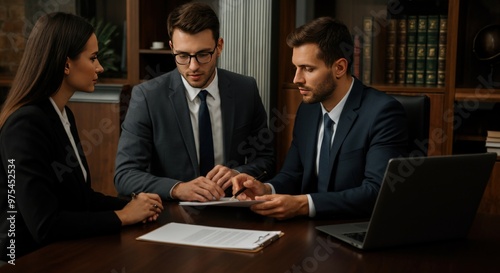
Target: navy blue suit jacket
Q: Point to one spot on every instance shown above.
(370, 131)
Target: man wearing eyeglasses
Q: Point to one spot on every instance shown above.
(188, 132)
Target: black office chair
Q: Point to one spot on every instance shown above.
(417, 110)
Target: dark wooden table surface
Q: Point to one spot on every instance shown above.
(301, 249)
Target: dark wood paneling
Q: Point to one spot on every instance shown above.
(99, 129)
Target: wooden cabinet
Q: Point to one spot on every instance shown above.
(147, 22)
(98, 117)
(463, 108)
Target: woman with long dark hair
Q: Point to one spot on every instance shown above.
(45, 188)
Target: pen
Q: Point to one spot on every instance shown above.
(244, 188)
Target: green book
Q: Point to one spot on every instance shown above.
(443, 32)
(431, 61)
(421, 49)
(367, 50)
(401, 50)
(411, 48)
(390, 56)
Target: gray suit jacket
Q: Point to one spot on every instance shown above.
(157, 148)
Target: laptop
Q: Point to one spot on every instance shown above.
(421, 200)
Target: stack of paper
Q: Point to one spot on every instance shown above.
(493, 142)
(204, 236)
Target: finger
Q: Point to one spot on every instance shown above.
(243, 196)
(155, 197)
(204, 195)
(210, 175)
(226, 185)
(157, 208)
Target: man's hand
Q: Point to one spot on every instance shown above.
(254, 187)
(282, 206)
(222, 175)
(200, 189)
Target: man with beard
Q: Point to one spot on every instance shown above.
(343, 137)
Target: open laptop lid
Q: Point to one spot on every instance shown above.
(425, 199)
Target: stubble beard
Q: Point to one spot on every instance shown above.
(321, 93)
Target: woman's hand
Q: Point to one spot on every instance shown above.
(142, 208)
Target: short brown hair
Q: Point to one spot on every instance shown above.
(331, 36)
(193, 18)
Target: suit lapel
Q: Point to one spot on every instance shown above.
(310, 151)
(63, 139)
(178, 102)
(347, 119)
(227, 111)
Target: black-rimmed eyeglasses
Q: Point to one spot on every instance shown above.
(201, 57)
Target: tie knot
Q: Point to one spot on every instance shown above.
(328, 122)
(203, 95)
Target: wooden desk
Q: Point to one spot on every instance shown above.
(302, 249)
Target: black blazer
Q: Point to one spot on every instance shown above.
(52, 200)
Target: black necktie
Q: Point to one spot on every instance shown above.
(324, 156)
(205, 135)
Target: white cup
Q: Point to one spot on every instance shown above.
(158, 45)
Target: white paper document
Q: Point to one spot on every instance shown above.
(214, 237)
(224, 201)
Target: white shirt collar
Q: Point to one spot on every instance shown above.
(62, 115)
(337, 110)
(192, 92)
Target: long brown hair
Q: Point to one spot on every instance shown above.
(54, 38)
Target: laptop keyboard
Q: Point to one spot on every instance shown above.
(358, 236)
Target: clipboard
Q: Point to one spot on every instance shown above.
(223, 202)
(212, 237)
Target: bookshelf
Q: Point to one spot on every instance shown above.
(465, 97)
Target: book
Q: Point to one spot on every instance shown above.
(401, 50)
(356, 64)
(367, 50)
(493, 144)
(390, 55)
(411, 47)
(421, 49)
(212, 237)
(492, 139)
(493, 133)
(443, 32)
(431, 58)
(493, 150)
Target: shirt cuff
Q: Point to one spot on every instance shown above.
(171, 189)
(312, 209)
(273, 191)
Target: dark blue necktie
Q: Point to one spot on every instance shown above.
(205, 135)
(324, 156)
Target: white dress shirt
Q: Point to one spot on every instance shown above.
(214, 107)
(334, 114)
(67, 127)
